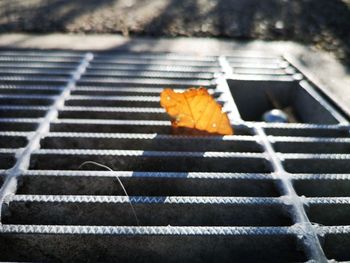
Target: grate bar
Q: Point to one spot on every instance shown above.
(153, 57)
(146, 153)
(146, 136)
(44, 97)
(308, 139)
(33, 79)
(321, 156)
(153, 199)
(139, 81)
(146, 62)
(107, 122)
(113, 109)
(121, 89)
(14, 133)
(33, 87)
(147, 74)
(155, 68)
(42, 53)
(37, 58)
(145, 230)
(117, 98)
(20, 120)
(39, 65)
(23, 107)
(265, 77)
(206, 175)
(320, 176)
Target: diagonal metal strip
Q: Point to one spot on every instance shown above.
(311, 242)
(310, 239)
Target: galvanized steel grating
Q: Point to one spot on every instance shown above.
(271, 192)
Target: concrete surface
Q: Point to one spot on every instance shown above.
(321, 65)
(322, 23)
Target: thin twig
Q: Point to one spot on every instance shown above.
(120, 182)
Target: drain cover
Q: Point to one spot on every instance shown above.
(272, 192)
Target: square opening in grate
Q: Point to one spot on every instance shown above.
(297, 102)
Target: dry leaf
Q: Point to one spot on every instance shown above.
(197, 109)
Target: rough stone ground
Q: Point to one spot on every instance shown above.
(322, 23)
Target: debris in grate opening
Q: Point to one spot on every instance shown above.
(120, 183)
(279, 113)
(196, 109)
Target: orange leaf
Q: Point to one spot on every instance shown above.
(195, 108)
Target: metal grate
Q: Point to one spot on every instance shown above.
(271, 192)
